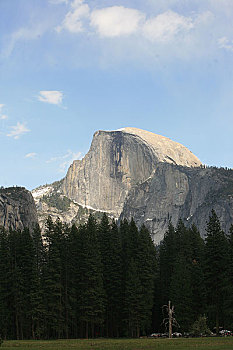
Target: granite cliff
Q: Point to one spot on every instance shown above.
(116, 161)
(175, 192)
(132, 172)
(17, 208)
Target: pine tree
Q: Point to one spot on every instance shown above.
(216, 259)
(228, 302)
(90, 281)
(168, 251)
(197, 273)
(181, 293)
(73, 269)
(5, 286)
(15, 284)
(146, 261)
(132, 301)
(52, 282)
(131, 287)
(181, 256)
(36, 296)
(26, 265)
(110, 246)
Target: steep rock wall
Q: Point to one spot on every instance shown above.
(114, 163)
(17, 208)
(135, 173)
(180, 192)
(117, 161)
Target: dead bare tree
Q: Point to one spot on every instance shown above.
(170, 320)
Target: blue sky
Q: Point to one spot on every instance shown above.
(71, 67)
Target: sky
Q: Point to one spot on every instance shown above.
(71, 67)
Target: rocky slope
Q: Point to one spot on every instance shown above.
(116, 161)
(132, 172)
(50, 201)
(175, 192)
(17, 208)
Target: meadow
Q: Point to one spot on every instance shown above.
(123, 344)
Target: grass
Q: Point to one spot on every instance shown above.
(123, 344)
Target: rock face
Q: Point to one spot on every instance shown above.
(17, 208)
(175, 192)
(116, 161)
(135, 173)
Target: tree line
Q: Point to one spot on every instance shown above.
(110, 280)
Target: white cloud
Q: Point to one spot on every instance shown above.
(116, 21)
(30, 155)
(1, 107)
(65, 160)
(73, 21)
(51, 96)
(165, 29)
(225, 43)
(3, 117)
(55, 2)
(18, 130)
(22, 34)
(166, 25)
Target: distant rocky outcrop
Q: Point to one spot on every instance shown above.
(116, 161)
(17, 208)
(135, 173)
(175, 192)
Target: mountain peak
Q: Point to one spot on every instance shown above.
(164, 149)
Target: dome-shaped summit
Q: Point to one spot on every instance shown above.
(165, 149)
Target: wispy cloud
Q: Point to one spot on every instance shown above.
(22, 34)
(140, 34)
(73, 21)
(30, 155)
(55, 2)
(116, 21)
(18, 130)
(51, 96)
(2, 116)
(120, 21)
(65, 160)
(166, 26)
(225, 43)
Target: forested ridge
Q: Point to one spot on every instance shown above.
(109, 280)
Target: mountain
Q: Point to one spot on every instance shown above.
(17, 208)
(174, 192)
(134, 173)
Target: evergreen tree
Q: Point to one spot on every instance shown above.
(90, 284)
(15, 284)
(131, 287)
(168, 251)
(147, 268)
(228, 304)
(110, 244)
(197, 273)
(181, 293)
(216, 259)
(36, 296)
(181, 256)
(52, 283)
(6, 311)
(132, 302)
(26, 266)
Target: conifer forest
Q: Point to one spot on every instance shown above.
(109, 280)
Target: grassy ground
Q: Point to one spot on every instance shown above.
(124, 344)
